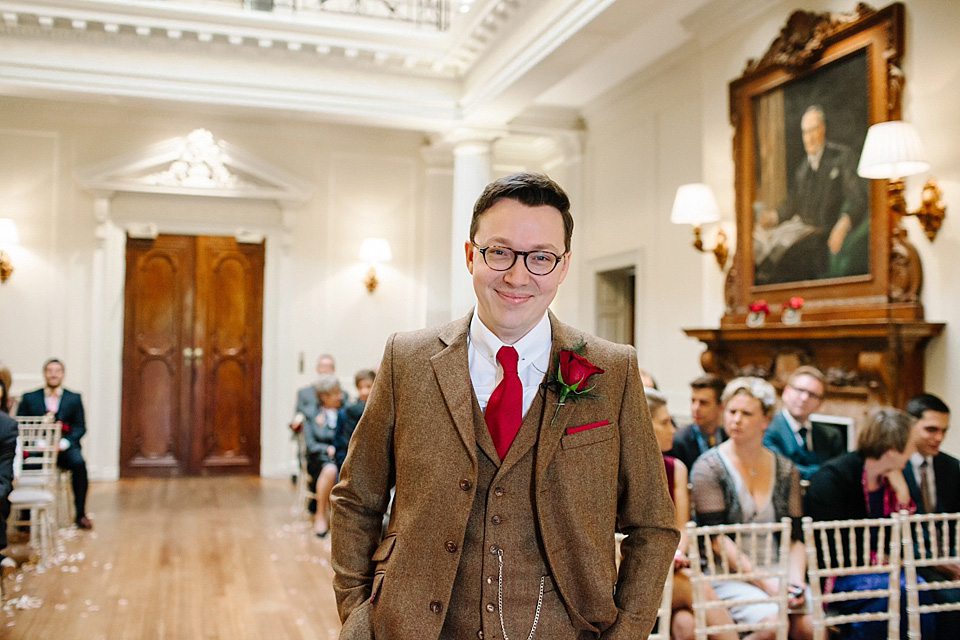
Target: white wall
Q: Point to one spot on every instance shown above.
(670, 125)
(366, 183)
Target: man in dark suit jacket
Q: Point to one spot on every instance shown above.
(934, 481)
(510, 485)
(830, 198)
(792, 434)
(707, 413)
(66, 407)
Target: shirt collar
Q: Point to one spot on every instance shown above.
(47, 391)
(815, 158)
(793, 422)
(917, 459)
(529, 348)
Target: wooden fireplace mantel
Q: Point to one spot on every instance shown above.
(867, 362)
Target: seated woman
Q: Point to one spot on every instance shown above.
(682, 624)
(319, 431)
(741, 481)
(868, 483)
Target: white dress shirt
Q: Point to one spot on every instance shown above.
(795, 426)
(486, 373)
(51, 399)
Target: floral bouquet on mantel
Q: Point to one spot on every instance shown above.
(758, 313)
(790, 313)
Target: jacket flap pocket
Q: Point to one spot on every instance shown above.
(385, 549)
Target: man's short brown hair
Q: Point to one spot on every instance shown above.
(710, 381)
(531, 189)
(807, 370)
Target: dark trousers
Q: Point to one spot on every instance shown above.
(4, 512)
(72, 460)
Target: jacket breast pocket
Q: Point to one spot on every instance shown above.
(577, 437)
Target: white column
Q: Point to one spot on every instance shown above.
(106, 345)
(434, 228)
(279, 359)
(471, 173)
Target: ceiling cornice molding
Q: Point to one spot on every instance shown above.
(513, 59)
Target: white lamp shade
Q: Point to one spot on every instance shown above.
(375, 251)
(892, 151)
(8, 233)
(695, 204)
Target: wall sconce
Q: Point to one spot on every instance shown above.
(695, 204)
(374, 251)
(8, 236)
(892, 151)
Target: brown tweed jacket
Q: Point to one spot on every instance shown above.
(417, 434)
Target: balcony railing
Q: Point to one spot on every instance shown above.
(430, 14)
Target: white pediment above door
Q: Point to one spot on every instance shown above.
(195, 165)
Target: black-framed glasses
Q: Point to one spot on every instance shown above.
(807, 392)
(539, 263)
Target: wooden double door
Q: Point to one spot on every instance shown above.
(192, 352)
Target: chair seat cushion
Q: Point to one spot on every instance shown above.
(24, 496)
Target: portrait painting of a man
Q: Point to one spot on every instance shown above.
(812, 214)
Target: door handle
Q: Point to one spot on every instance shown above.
(192, 354)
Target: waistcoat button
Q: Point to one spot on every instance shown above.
(436, 607)
(496, 520)
(491, 608)
(480, 634)
(451, 546)
(498, 491)
(466, 484)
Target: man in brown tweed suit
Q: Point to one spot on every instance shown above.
(486, 542)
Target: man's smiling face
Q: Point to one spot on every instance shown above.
(510, 303)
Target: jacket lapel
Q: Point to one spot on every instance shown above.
(551, 430)
(453, 376)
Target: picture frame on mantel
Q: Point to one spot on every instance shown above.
(825, 235)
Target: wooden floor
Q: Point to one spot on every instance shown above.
(180, 559)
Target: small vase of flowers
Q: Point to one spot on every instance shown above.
(757, 314)
(792, 310)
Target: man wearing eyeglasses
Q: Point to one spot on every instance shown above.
(508, 494)
(792, 434)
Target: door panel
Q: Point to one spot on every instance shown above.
(229, 318)
(158, 318)
(192, 356)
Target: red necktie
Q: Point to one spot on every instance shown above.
(505, 409)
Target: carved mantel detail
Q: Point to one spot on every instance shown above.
(867, 362)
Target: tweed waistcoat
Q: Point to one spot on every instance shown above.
(502, 519)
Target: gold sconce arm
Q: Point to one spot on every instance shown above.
(931, 212)
(720, 250)
(371, 281)
(6, 266)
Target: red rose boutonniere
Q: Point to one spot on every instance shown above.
(572, 377)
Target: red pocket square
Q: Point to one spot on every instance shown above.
(584, 427)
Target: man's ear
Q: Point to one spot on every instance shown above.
(468, 248)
